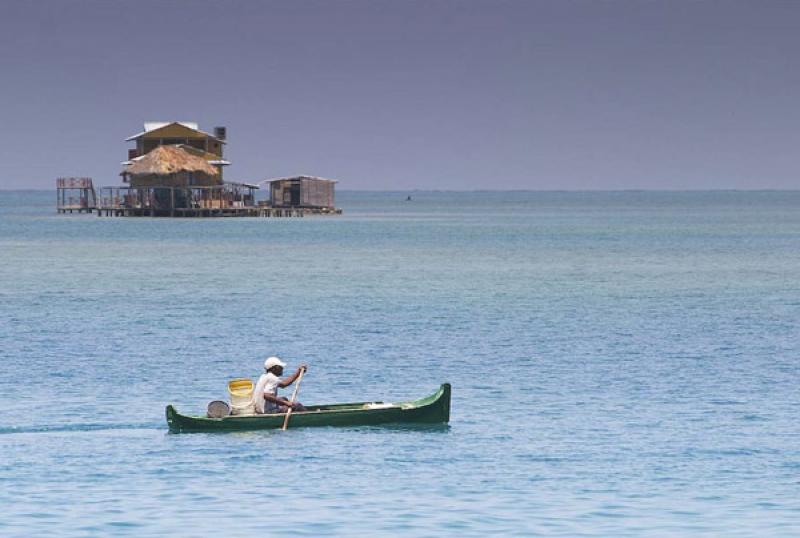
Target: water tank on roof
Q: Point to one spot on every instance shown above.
(220, 132)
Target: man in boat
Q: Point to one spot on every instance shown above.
(265, 395)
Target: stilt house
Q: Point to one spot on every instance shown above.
(303, 192)
(176, 170)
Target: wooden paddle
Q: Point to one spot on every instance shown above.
(294, 396)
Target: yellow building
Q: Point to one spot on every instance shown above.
(182, 133)
(176, 170)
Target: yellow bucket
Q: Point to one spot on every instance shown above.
(241, 391)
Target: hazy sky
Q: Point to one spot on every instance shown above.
(403, 94)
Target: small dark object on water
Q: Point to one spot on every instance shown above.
(408, 199)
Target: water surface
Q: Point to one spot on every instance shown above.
(623, 364)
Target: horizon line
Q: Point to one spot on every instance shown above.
(507, 190)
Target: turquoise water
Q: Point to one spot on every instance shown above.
(623, 364)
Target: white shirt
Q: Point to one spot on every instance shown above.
(267, 384)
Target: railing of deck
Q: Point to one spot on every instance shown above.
(217, 197)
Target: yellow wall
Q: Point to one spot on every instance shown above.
(177, 130)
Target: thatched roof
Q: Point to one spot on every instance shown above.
(166, 160)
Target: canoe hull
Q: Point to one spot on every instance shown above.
(430, 410)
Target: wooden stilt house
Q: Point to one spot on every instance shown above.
(176, 170)
(303, 192)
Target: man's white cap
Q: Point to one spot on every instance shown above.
(273, 361)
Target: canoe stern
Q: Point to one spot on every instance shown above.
(432, 409)
(172, 420)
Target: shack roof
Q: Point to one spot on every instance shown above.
(166, 160)
(295, 178)
(150, 126)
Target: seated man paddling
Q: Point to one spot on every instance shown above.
(265, 395)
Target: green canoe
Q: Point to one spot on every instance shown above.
(431, 409)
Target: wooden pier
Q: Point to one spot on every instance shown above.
(75, 194)
(296, 212)
(229, 200)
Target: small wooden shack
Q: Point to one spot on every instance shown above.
(303, 192)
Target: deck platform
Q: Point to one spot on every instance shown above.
(75, 194)
(117, 211)
(228, 200)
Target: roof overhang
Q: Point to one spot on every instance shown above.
(236, 184)
(131, 161)
(153, 125)
(150, 126)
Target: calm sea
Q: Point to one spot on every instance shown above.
(623, 364)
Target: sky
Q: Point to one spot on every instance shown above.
(401, 95)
